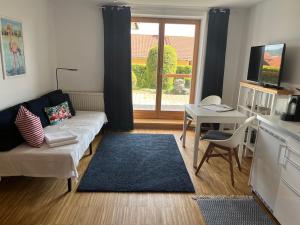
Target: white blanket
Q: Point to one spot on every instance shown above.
(59, 162)
(56, 136)
(62, 143)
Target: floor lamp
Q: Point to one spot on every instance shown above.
(62, 68)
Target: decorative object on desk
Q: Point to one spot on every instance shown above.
(218, 107)
(62, 68)
(12, 45)
(233, 210)
(137, 163)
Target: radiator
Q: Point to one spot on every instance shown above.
(87, 101)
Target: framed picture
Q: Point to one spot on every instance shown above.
(12, 48)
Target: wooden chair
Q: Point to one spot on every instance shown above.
(212, 99)
(228, 143)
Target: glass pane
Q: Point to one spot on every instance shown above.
(144, 53)
(177, 66)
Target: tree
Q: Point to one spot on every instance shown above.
(169, 66)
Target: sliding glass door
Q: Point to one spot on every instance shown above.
(164, 63)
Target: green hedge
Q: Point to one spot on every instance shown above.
(146, 74)
(169, 66)
(133, 80)
(139, 71)
(185, 70)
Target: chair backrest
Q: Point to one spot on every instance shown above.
(212, 99)
(238, 135)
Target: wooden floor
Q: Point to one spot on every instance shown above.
(32, 201)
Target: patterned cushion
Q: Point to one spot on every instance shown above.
(30, 127)
(56, 99)
(216, 135)
(58, 113)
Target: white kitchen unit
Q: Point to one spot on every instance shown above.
(275, 172)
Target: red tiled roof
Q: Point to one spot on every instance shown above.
(274, 61)
(141, 44)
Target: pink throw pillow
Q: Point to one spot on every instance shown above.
(30, 127)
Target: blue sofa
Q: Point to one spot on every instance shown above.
(9, 134)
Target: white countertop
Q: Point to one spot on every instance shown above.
(289, 128)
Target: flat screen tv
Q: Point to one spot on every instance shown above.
(271, 65)
(256, 56)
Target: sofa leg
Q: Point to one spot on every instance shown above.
(91, 148)
(69, 185)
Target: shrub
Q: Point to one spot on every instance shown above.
(169, 66)
(133, 80)
(139, 70)
(184, 69)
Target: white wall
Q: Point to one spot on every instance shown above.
(78, 29)
(38, 57)
(276, 21)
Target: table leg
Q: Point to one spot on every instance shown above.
(196, 143)
(221, 127)
(184, 129)
(241, 152)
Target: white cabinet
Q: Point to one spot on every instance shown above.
(287, 204)
(275, 172)
(265, 175)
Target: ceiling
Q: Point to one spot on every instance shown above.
(201, 4)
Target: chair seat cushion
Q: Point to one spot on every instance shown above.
(216, 135)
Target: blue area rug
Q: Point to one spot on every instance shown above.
(137, 163)
(238, 210)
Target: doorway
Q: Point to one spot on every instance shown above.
(164, 64)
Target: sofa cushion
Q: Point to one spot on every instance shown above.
(60, 98)
(53, 93)
(37, 107)
(30, 127)
(58, 113)
(10, 137)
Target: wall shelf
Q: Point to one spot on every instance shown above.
(254, 100)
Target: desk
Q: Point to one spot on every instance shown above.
(201, 115)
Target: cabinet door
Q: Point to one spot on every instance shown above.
(287, 204)
(265, 176)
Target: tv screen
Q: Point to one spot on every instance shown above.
(271, 67)
(256, 56)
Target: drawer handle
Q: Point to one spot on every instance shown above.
(296, 165)
(282, 154)
(272, 134)
(290, 187)
(293, 151)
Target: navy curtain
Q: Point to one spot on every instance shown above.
(215, 52)
(117, 76)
